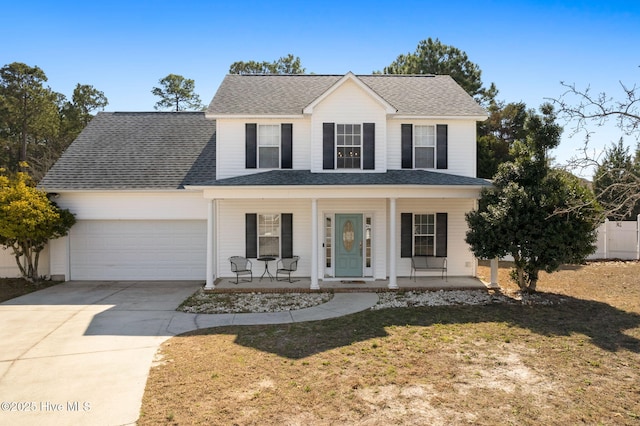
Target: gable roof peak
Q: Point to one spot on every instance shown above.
(349, 76)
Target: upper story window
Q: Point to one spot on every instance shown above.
(348, 146)
(424, 147)
(268, 146)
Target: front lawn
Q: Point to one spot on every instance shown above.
(574, 362)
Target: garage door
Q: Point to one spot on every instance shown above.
(138, 250)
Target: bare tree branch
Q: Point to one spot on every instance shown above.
(617, 187)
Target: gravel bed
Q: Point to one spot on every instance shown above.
(203, 303)
(228, 303)
(459, 297)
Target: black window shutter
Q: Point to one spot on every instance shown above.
(406, 143)
(287, 234)
(286, 145)
(441, 234)
(251, 145)
(406, 234)
(441, 146)
(251, 235)
(369, 146)
(328, 148)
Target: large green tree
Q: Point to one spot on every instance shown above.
(28, 110)
(497, 134)
(434, 57)
(540, 216)
(28, 220)
(177, 93)
(285, 65)
(616, 181)
(85, 100)
(36, 123)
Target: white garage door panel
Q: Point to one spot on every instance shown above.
(138, 250)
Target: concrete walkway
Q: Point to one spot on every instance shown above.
(79, 353)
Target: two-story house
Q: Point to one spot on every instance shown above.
(354, 174)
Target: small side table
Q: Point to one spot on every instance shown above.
(266, 260)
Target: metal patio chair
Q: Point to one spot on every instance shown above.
(286, 266)
(241, 266)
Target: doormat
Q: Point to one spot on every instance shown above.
(352, 282)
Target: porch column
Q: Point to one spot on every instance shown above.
(393, 282)
(314, 245)
(210, 247)
(494, 274)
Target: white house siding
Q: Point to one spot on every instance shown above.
(179, 204)
(231, 230)
(230, 155)
(9, 268)
(461, 135)
(349, 104)
(230, 241)
(132, 235)
(460, 259)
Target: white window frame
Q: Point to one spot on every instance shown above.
(269, 226)
(424, 138)
(269, 140)
(417, 231)
(367, 241)
(344, 137)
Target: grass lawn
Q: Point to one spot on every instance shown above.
(577, 362)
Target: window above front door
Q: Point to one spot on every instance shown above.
(348, 146)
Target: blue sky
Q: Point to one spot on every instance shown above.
(124, 47)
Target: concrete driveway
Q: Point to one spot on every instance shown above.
(79, 353)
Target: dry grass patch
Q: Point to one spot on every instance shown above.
(13, 287)
(577, 362)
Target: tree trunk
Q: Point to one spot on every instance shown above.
(20, 266)
(521, 278)
(533, 282)
(25, 128)
(36, 260)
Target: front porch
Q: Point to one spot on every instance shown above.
(303, 284)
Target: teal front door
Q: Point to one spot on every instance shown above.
(348, 241)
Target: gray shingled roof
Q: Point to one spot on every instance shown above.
(133, 150)
(391, 177)
(420, 95)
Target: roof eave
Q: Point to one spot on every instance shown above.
(438, 117)
(346, 186)
(252, 115)
(53, 190)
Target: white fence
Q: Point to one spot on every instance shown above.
(618, 240)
